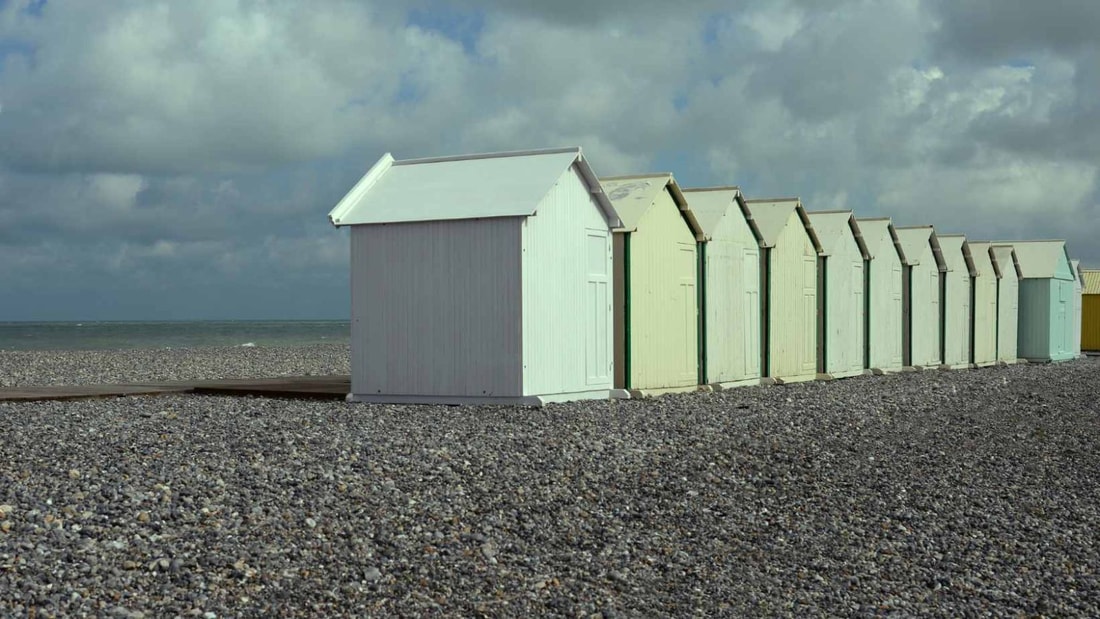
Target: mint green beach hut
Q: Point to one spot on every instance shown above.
(1047, 311)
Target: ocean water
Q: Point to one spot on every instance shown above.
(203, 333)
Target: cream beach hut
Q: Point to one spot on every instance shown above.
(884, 296)
(1046, 301)
(956, 301)
(841, 293)
(731, 280)
(480, 279)
(789, 251)
(924, 265)
(1008, 302)
(656, 285)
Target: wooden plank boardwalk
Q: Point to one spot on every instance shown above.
(324, 387)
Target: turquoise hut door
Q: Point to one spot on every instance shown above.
(598, 325)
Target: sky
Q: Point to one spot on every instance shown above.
(177, 160)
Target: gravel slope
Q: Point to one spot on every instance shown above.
(83, 367)
(941, 493)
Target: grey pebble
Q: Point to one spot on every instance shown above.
(967, 493)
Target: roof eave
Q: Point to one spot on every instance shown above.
(353, 197)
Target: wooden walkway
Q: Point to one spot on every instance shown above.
(322, 387)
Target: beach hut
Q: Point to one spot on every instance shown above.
(1078, 291)
(1046, 301)
(955, 302)
(656, 272)
(840, 294)
(923, 268)
(1090, 310)
(984, 307)
(789, 251)
(731, 280)
(885, 301)
(1008, 302)
(480, 279)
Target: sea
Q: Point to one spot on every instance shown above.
(192, 334)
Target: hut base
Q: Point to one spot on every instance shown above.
(845, 374)
(734, 384)
(457, 400)
(885, 371)
(956, 366)
(1010, 361)
(650, 393)
(786, 380)
(985, 364)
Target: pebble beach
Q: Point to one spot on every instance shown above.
(965, 493)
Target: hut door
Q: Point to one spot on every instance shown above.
(687, 267)
(1064, 312)
(598, 303)
(856, 316)
(750, 277)
(894, 316)
(809, 313)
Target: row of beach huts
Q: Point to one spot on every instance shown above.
(523, 278)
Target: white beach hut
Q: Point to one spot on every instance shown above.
(789, 251)
(840, 294)
(984, 308)
(921, 289)
(480, 279)
(1078, 292)
(956, 301)
(885, 299)
(1008, 302)
(731, 280)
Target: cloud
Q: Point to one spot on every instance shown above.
(152, 153)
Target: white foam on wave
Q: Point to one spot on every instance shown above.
(248, 345)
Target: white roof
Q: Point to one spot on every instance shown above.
(465, 187)
(633, 196)
(955, 247)
(834, 228)
(1038, 259)
(1003, 257)
(879, 228)
(710, 204)
(914, 239)
(979, 250)
(771, 215)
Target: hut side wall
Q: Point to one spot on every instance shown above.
(1034, 340)
(436, 309)
(985, 310)
(664, 317)
(568, 294)
(886, 307)
(957, 316)
(925, 311)
(733, 301)
(1090, 322)
(793, 304)
(1008, 313)
(844, 310)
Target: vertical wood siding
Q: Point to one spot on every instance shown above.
(1034, 341)
(436, 308)
(925, 311)
(957, 307)
(985, 308)
(793, 305)
(844, 309)
(568, 294)
(1090, 322)
(885, 345)
(664, 319)
(733, 301)
(1008, 312)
